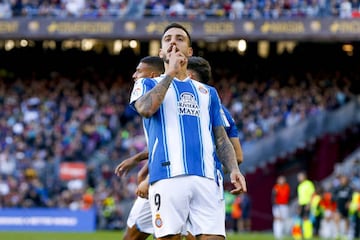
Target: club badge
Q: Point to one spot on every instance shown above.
(158, 221)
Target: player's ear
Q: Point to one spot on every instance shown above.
(190, 74)
(161, 53)
(190, 51)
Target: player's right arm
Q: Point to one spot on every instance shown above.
(143, 188)
(129, 163)
(148, 104)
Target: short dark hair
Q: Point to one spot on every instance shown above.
(177, 25)
(155, 62)
(202, 68)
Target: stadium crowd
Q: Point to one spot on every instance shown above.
(85, 117)
(186, 9)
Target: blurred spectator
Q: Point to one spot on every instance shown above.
(345, 9)
(354, 211)
(327, 228)
(245, 219)
(74, 8)
(5, 9)
(342, 195)
(135, 9)
(190, 9)
(229, 198)
(236, 10)
(176, 9)
(236, 213)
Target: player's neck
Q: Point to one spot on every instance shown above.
(181, 76)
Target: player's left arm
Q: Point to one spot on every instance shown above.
(238, 150)
(233, 134)
(226, 154)
(224, 149)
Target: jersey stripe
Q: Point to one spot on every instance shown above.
(179, 134)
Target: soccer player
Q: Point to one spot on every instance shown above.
(139, 225)
(198, 69)
(185, 131)
(149, 67)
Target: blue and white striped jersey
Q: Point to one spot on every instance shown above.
(179, 135)
(231, 131)
(230, 125)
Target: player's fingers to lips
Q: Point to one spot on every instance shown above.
(171, 48)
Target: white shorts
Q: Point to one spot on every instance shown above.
(140, 215)
(280, 211)
(187, 201)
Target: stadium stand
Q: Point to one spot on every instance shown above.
(135, 9)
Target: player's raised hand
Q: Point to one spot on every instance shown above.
(176, 60)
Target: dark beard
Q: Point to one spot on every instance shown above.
(165, 60)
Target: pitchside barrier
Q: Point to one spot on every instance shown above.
(46, 220)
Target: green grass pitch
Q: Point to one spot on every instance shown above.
(109, 235)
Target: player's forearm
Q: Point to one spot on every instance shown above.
(141, 156)
(225, 150)
(150, 102)
(238, 150)
(144, 171)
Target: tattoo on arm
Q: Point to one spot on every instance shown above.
(150, 102)
(224, 149)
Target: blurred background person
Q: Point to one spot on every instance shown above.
(245, 219)
(342, 195)
(280, 200)
(316, 212)
(305, 191)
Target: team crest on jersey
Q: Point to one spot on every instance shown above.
(187, 105)
(203, 90)
(158, 221)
